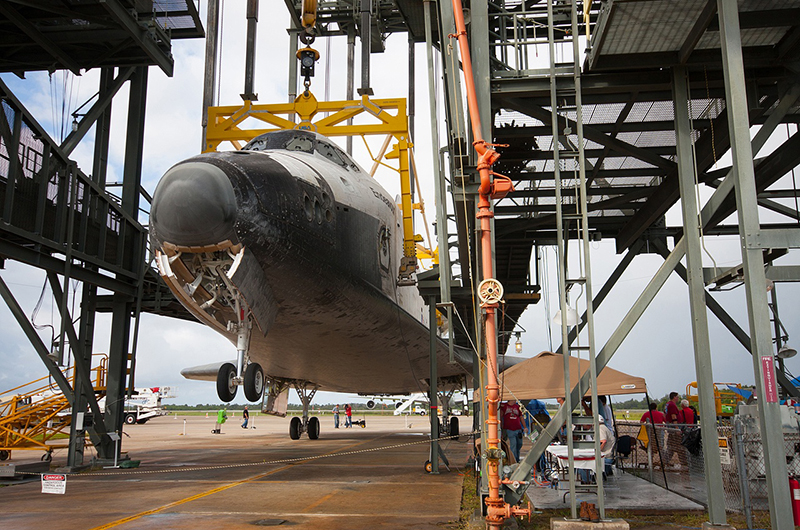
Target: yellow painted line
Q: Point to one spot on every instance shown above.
(215, 490)
(317, 503)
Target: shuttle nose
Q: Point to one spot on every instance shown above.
(194, 205)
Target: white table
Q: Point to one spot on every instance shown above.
(584, 458)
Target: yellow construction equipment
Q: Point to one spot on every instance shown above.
(34, 416)
(725, 399)
(330, 118)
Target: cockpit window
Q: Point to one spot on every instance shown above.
(307, 142)
(329, 152)
(300, 143)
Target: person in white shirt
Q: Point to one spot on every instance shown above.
(607, 441)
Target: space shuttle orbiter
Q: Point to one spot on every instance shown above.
(290, 250)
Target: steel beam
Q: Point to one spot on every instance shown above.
(210, 70)
(442, 234)
(726, 320)
(646, 155)
(351, 72)
(49, 263)
(366, 46)
(134, 142)
(142, 36)
(97, 431)
(612, 344)
(36, 342)
(785, 273)
(106, 95)
(706, 17)
(433, 389)
(250, 52)
(694, 260)
(609, 284)
(479, 50)
(102, 136)
(39, 38)
(753, 266)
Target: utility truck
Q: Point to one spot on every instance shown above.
(145, 403)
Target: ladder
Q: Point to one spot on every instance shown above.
(572, 216)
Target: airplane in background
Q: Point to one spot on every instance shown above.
(290, 250)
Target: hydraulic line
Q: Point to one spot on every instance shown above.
(497, 510)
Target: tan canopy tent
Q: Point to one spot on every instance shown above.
(542, 377)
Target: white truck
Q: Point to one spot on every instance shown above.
(145, 403)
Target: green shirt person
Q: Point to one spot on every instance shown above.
(222, 417)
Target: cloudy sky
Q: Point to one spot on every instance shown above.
(658, 349)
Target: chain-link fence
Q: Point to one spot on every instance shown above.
(672, 457)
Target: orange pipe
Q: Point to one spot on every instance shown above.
(496, 508)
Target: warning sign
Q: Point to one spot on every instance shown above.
(770, 383)
(724, 452)
(54, 484)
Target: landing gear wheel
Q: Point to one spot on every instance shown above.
(4, 455)
(130, 419)
(454, 427)
(47, 457)
(363, 424)
(253, 382)
(295, 426)
(313, 428)
(428, 466)
(226, 387)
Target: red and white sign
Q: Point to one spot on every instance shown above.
(770, 383)
(54, 483)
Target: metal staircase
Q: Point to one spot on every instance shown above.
(572, 222)
(37, 415)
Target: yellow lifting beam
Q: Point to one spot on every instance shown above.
(388, 117)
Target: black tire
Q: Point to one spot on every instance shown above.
(313, 428)
(253, 382)
(47, 457)
(4, 455)
(295, 426)
(454, 427)
(226, 390)
(428, 466)
(130, 419)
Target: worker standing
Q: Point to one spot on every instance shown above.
(511, 422)
(348, 416)
(336, 416)
(222, 417)
(246, 416)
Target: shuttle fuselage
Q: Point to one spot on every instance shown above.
(291, 237)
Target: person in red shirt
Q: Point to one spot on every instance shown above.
(687, 414)
(511, 422)
(673, 413)
(673, 444)
(653, 415)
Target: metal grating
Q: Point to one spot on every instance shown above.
(649, 27)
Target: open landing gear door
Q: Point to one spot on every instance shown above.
(276, 399)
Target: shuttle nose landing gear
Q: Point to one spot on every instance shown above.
(245, 373)
(297, 426)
